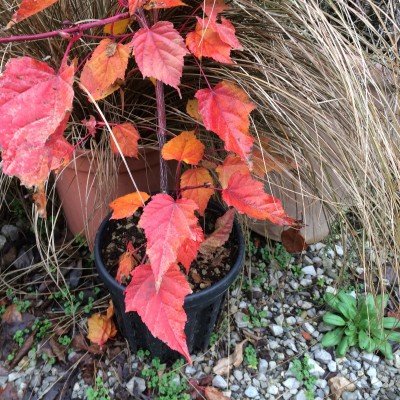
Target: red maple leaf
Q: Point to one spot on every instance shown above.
(213, 7)
(248, 197)
(225, 110)
(35, 103)
(160, 309)
(168, 224)
(159, 52)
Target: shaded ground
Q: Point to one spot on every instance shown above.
(276, 307)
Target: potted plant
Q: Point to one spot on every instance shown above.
(153, 242)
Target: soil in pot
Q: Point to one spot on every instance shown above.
(206, 270)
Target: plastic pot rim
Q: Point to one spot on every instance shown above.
(192, 299)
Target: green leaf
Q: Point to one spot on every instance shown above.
(391, 323)
(332, 301)
(333, 319)
(343, 347)
(395, 336)
(364, 340)
(381, 302)
(386, 350)
(347, 305)
(332, 338)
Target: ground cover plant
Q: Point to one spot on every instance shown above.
(169, 221)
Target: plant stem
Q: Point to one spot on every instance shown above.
(161, 133)
(64, 32)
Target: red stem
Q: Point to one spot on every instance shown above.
(65, 32)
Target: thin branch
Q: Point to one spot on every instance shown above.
(65, 33)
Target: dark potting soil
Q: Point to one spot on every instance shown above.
(206, 270)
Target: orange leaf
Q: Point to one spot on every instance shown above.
(35, 104)
(126, 264)
(225, 110)
(40, 201)
(174, 224)
(159, 52)
(105, 71)
(127, 205)
(213, 7)
(205, 41)
(184, 147)
(135, 4)
(192, 108)
(231, 164)
(28, 8)
(197, 177)
(160, 308)
(101, 327)
(223, 228)
(248, 197)
(127, 137)
(118, 27)
(153, 4)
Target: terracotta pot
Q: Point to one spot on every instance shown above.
(85, 189)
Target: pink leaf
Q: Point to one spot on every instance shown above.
(159, 52)
(168, 224)
(160, 309)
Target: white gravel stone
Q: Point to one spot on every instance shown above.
(396, 359)
(279, 319)
(370, 358)
(240, 320)
(332, 366)
(309, 270)
(301, 395)
(291, 383)
(321, 383)
(238, 374)
(274, 390)
(190, 370)
(309, 328)
(339, 250)
(272, 365)
(276, 330)
(322, 356)
(136, 384)
(219, 382)
(263, 366)
(13, 376)
(251, 392)
(291, 320)
(315, 369)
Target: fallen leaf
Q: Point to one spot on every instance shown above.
(293, 241)
(11, 315)
(340, 384)
(212, 393)
(225, 365)
(127, 138)
(184, 147)
(34, 98)
(197, 177)
(159, 52)
(28, 8)
(161, 309)
(176, 223)
(135, 4)
(101, 327)
(104, 72)
(223, 229)
(90, 125)
(248, 197)
(126, 206)
(79, 343)
(225, 110)
(306, 335)
(57, 349)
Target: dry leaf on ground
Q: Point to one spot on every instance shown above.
(234, 360)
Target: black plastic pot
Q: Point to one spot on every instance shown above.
(202, 308)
